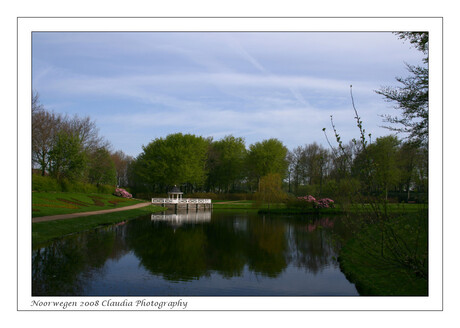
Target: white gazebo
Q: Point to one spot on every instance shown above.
(175, 194)
(176, 201)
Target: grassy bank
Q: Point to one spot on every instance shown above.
(248, 205)
(54, 203)
(43, 232)
(389, 259)
(338, 209)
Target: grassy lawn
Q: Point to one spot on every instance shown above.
(43, 232)
(53, 203)
(249, 205)
(380, 264)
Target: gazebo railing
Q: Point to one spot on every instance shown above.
(180, 201)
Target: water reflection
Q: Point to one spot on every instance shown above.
(175, 253)
(176, 219)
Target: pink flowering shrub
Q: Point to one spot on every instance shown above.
(318, 203)
(120, 192)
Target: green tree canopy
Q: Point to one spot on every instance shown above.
(175, 160)
(226, 162)
(378, 164)
(101, 168)
(67, 158)
(268, 156)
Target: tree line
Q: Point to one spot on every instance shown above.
(71, 149)
(198, 164)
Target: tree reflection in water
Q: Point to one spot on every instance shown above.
(188, 247)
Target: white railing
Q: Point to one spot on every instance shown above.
(180, 201)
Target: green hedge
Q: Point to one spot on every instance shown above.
(47, 183)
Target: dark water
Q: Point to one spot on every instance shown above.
(196, 254)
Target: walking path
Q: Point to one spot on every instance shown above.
(76, 215)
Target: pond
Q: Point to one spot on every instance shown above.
(204, 253)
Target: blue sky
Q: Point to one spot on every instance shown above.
(141, 86)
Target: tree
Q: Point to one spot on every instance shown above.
(67, 158)
(175, 160)
(270, 189)
(412, 97)
(383, 156)
(226, 162)
(101, 168)
(406, 162)
(122, 162)
(268, 156)
(45, 126)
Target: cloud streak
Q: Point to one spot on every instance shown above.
(254, 85)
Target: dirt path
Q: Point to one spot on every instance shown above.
(76, 215)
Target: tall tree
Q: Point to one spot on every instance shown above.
(67, 158)
(383, 155)
(177, 159)
(45, 126)
(121, 161)
(226, 162)
(411, 98)
(268, 156)
(270, 189)
(101, 168)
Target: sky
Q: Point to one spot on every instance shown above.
(139, 86)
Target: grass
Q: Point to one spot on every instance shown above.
(53, 203)
(376, 270)
(43, 232)
(248, 205)
(280, 208)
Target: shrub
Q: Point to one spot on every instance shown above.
(317, 203)
(120, 192)
(106, 189)
(44, 183)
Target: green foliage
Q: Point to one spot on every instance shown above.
(268, 156)
(50, 184)
(101, 168)
(106, 189)
(67, 159)
(389, 257)
(76, 186)
(175, 160)
(44, 183)
(54, 203)
(270, 189)
(225, 164)
(377, 165)
(411, 97)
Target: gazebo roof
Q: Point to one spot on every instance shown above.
(175, 190)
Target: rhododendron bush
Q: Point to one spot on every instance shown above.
(318, 203)
(120, 192)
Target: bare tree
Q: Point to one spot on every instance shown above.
(45, 126)
(87, 132)
(121, 161)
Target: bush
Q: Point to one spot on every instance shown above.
(44, 183)
(120, 192)
(106, 189)
(317, 203)
(48, 183)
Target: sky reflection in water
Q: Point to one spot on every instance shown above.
(196, 254)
